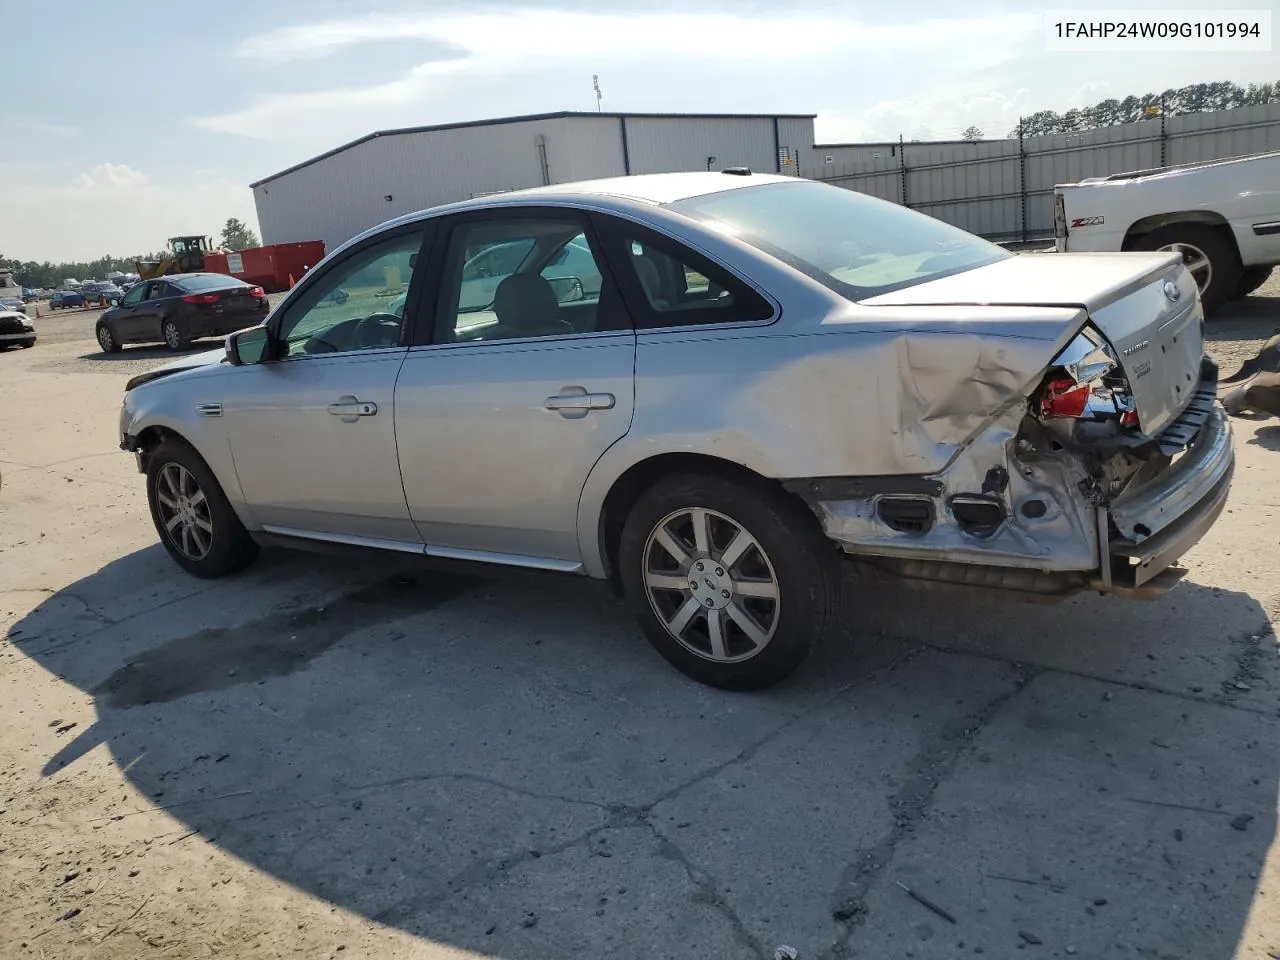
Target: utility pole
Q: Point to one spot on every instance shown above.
(595, 82)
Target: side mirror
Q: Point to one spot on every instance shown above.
(567, 289)
(248, 346)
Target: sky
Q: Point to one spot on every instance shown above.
(111, 145)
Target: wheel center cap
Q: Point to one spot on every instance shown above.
(710, 584)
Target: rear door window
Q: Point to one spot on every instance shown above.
(667, 284)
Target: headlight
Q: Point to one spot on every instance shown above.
(26, 322)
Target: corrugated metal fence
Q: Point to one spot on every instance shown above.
(1003, 189)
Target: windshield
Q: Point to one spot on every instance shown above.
(855, 244)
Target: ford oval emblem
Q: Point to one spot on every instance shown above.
(1171, 291)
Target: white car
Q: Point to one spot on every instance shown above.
(1223, 217)
(16, 329)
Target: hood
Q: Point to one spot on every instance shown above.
(1089, 280)
(198, 361)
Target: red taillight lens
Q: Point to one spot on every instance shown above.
(200, 298)
(257, 292)
(1063, 397)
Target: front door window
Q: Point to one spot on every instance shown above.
(357, 305)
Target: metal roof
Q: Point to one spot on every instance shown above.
(558, 115)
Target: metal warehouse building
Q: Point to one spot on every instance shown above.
(337, 194)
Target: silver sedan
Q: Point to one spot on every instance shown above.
(755, 384)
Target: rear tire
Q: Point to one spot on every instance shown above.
(106, 340)
(1251, 280)
(193, 517)
(1209, 255)
(728, 615)
(173, 336)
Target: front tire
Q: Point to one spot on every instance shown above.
(195, 520)
(1209, 256)
(173, 337)
(106, 340)
(732, 581)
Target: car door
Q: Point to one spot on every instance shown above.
(502, 409)
(129, 317)
(161, 303)
(312, 428)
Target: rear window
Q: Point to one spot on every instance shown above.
(212, 281)
(855, 244)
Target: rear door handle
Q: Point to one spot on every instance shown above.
(575, 401)
(350, 409)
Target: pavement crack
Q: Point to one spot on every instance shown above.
(1190, 697)
(473, 778)
(750, 750)
(1248, 661)
(910, 803)
(708, 888)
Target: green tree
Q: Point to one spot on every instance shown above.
(1193, 98)
(972, 134)
(237, 235)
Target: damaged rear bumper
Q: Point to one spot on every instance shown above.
(1151, 527)
(1066, 545)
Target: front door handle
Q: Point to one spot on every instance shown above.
(574, 402)
(350, 409)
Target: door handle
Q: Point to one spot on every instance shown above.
(571, 400)
(350, 409)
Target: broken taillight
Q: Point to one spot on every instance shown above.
(1063, 397)
(1085, 382)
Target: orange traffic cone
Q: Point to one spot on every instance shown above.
(291, 281)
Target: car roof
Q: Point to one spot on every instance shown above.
(652, 189)
(660, 188)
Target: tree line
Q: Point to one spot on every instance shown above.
(1195, 98)
(28, 273)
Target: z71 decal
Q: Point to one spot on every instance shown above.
(1088, 222)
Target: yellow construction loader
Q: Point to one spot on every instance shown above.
(186, 255)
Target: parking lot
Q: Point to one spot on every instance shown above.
(338, 757)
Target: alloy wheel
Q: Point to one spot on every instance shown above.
(171, 335)
(1197, 262)
(711, 584)
(184, 511)
(104, 339)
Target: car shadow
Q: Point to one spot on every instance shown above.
(500, 764)
(1267, 437)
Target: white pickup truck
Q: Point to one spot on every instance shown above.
(1223, 216)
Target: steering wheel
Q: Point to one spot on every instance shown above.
(378, 330)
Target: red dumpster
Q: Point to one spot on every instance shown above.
(270, 267)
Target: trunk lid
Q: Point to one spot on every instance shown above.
(1146, 305)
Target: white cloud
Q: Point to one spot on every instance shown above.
(521, 34)
(507, 58)
(942, 116)
(114, 177)
(110, 208)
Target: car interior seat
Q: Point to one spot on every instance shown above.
(526, 306)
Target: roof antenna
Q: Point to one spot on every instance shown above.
(595, 82)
